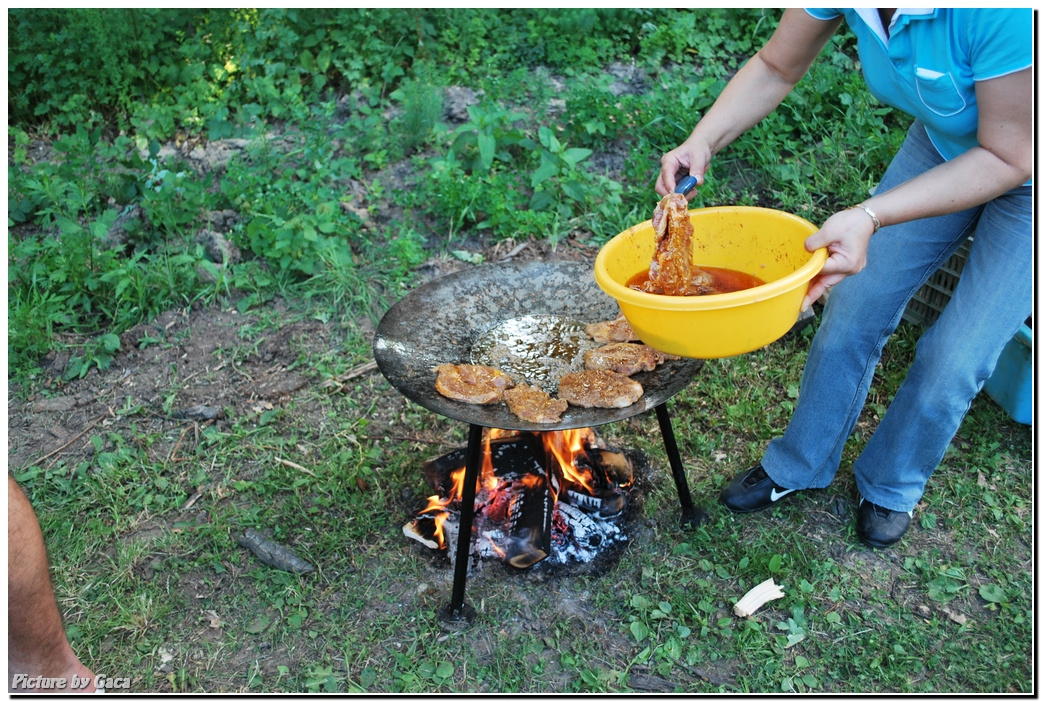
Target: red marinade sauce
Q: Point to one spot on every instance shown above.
(727, 280)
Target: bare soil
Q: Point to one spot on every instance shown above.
(188, 368)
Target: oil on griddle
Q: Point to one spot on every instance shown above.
(535, 349)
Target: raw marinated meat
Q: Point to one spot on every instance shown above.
(625, 358)
(599, 388)
(614, 330)
(532, 404)
(476, 384)
(672, 271)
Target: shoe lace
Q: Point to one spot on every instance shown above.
(756, 476)
(881, 511)
(884, 512)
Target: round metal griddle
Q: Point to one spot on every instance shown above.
(440, 321)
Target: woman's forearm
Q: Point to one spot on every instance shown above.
(753, 93)
(973, 178)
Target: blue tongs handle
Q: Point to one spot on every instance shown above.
(686, 184)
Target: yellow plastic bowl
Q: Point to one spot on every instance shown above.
(762, 242)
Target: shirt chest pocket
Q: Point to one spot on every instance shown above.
(938, 92)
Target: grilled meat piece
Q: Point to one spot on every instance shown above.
(532, 404)
(614, 330)
(599, 388)
(625, 358)
(672, 271)
(476, 384)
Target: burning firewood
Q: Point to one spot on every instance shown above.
(511, 457)
(606, 505)
(531, 522)
(541, 496)
(614, 466)
(424, 530)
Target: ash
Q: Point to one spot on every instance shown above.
(532, 517)
(577, 537)
(585, 536)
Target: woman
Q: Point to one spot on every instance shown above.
(965, 168)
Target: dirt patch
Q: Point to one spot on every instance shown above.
(187, 369)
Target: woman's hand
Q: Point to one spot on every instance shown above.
(689, 157)
(845, 235)
(1002, 161)
(752, 94)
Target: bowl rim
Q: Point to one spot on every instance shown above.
(767, 291)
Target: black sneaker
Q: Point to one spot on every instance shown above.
(879, 527)
(752, 490)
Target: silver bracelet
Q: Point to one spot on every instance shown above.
(870, 214)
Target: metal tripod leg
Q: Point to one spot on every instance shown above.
(457, 610)
(693, 515)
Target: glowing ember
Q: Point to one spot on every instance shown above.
(540, 495)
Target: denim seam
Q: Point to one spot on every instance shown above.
(943, 256)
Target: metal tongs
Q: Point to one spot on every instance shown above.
(684, 186)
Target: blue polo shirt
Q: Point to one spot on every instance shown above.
(929, 64)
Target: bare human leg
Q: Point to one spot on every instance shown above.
(36, 643)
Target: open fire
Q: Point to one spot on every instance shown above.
(542, 496)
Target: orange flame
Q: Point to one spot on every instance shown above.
(488, 479)
(499, 550)
(437, 506)
(563, 446)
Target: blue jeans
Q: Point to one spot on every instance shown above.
(953, 358)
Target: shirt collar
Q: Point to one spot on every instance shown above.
(871, 18)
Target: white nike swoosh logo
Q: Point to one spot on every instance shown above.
(774, 495)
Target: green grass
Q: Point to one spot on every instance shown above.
(332, 235)
(947, 611)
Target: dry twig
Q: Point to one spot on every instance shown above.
(336, 383)
(357, 370)
(434, 442)
(74, 439)
(297, 466)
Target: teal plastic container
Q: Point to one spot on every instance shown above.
(1012, 384)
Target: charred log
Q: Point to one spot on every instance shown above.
(516, 456)
(606, 505)
(533, 511)
(531, 522)
(511, 458)
(611, 468)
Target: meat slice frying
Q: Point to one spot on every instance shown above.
(599, 388)
(532, 404)
(476, 384)
(672, 271)
(614, 330)
(625, 358)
